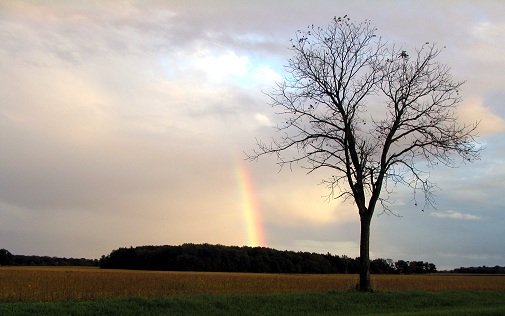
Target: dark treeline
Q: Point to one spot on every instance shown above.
(480, 270)
(218, 258)
(6, 258)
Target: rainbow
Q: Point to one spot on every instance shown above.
(250, 209)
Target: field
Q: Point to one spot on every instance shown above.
(56, 284)
(46, 290)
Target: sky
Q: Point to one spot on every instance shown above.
(126, 123)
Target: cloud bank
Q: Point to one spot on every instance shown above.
(122, 123)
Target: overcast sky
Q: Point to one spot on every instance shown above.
(125, 123)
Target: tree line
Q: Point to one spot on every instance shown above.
(7, 258)
(480, 270)
(219, 258)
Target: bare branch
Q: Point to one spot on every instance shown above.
(333, 76)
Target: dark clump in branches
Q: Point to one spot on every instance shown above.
(368, 113)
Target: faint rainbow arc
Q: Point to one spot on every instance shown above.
(250, 207)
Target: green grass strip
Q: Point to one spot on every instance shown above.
(335, 303)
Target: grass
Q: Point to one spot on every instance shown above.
(334, 303)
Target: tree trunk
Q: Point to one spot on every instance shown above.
(364, 255)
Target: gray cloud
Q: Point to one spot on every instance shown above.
(121, 123)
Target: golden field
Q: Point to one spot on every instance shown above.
(73, 283)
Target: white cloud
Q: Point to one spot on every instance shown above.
(473, 110)
(218, 67)
(488, 31)
(212, 67)
(263, 120)
(455, 215)
(266, 75)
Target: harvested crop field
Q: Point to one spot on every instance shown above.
(57, 283)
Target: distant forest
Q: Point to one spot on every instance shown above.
(480, 270)
(6, 258)
(218, 258)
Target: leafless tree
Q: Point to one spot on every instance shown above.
(370, 114)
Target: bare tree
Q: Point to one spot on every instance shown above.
(371, 115)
